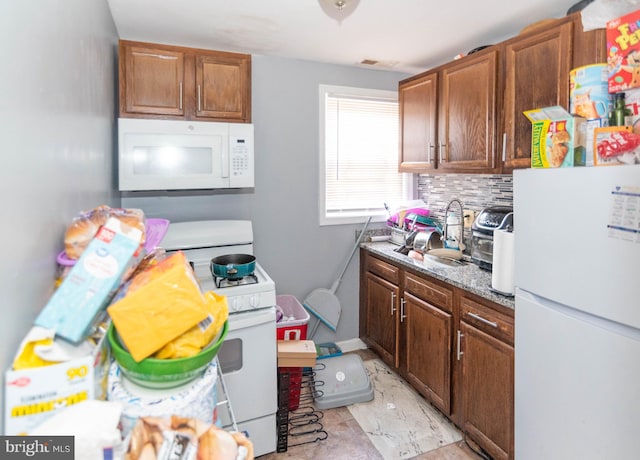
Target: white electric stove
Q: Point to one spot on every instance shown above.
(248, 356)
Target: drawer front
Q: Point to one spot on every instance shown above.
(384, 270)
(429, 291)
(487, 319)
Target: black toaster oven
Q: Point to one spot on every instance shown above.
(490, 219)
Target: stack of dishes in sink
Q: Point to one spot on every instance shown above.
(430, 244)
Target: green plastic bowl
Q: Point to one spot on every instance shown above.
(164, 373)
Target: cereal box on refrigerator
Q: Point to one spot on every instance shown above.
(623, 52)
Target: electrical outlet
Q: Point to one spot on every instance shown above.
(469, 217)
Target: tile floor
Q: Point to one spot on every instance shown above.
(347, 440)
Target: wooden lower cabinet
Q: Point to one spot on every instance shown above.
(453, 347)
(487, 391)
(381, 319)
(428, 350)
(485, 362)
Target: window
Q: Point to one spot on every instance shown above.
(358, 154)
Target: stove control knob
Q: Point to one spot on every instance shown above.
(253, 301)
(235, 304)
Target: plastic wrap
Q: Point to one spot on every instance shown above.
(183, 438)
(199, 336)
(161, 303)
(84, 227)
(597, 14)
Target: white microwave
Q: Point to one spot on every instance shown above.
(184, 155)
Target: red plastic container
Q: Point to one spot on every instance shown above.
(296, 328)
(295, 384)
(293, 329)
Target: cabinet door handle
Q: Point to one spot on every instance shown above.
(483, 320)
(180, 89)
(393, 303)
(431, 149)
(199, 104)
(402, 315)
(504, 147)
(442, 147)
(459, 352)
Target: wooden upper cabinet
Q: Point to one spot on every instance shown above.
(163, 81)
(418, 123)
(222, 87)
(466, 120)
(154, 80)
(537, 70)
(480, 100)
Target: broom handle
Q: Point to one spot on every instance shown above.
(336, 283)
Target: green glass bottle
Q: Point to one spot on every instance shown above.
(619, 112)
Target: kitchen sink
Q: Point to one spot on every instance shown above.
(450, 262)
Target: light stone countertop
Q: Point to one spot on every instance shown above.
(468, 276)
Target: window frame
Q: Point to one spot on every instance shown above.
(408, 179)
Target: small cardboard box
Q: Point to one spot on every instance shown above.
(555, 140)
(296, 353)
(92, 282)
(33, 395)
(623, 51)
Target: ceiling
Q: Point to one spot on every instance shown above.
(401, 35)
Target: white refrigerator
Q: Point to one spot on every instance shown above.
(577, 317)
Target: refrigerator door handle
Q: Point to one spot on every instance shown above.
(459, 352)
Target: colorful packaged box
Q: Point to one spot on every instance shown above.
(632, 103)
(623, 52)
(616, 145)
(587, 133)
(555, 138)
(92, 282)
(33, 395)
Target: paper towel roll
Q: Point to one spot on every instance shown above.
(503, 262)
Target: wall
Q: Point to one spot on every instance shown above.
(289, 243)
(57, 117)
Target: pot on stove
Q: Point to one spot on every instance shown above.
(233, 266)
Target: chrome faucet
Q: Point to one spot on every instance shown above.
(446, 226)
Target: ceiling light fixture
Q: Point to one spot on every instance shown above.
(338, 9)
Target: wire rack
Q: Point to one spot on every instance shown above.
(298, 421)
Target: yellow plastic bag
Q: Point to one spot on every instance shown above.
(166, 303)
(195, 339)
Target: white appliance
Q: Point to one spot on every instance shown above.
(178, 155)
(248, 356)
(577, 331)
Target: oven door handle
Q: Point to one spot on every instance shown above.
(252, 318)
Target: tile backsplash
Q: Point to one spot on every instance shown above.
(475, 191)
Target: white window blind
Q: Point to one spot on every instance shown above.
(359, 153)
